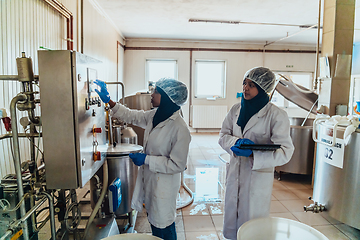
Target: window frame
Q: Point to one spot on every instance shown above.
(147, 60)
(223, 80)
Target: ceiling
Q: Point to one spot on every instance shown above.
(169, 19)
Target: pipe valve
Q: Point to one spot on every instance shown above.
(315, 208)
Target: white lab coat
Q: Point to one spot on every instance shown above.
(159, 179)
(249, 180)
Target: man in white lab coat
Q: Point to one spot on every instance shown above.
(166, 147)
(250, 173)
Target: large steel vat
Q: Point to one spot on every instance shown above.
(119, 166)
(337, 180)
(302, 160)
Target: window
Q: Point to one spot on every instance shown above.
(156, 69)
(209, 79)
(303, 79)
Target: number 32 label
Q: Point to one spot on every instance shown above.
(332, 155)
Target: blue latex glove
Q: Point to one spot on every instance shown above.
(103, 93)
(138, 158)
(242, 152)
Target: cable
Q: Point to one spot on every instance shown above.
(42, 153)
(18, 205)
(6, 205)
(76, 217)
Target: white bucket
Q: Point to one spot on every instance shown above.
(132, 236)
(274, 228)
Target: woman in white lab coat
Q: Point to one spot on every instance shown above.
(250, 174)
(166, 147)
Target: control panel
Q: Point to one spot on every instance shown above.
(74, 136)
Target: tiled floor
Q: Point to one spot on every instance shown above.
(203, 219)
(205, 176)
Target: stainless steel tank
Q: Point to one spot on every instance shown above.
(119, 166)
(128, 135)
(338, 187)
(124, 134)
(302, 160)
(139, 101)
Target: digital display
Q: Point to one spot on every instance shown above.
(92, 76)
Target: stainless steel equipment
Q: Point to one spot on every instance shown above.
(73, 118)
(139, 101)
(128, 135)
(336, 183)
(9, 192)
(108, 228)
(303, 157)
(121, 166)
(305, 99)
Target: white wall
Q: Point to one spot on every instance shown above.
(134, 78)
(237, 64)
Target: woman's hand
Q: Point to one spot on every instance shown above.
(103, 93)
(138, 158)
(242, 152)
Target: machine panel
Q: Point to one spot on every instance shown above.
(73, 118)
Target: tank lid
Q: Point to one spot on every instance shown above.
(304, 100)
(123, 149)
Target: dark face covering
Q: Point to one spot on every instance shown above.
(165, 109)
(251, 107)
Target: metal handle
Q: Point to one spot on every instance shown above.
(315, 127)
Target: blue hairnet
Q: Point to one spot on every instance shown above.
(263, 77)
(176, 90)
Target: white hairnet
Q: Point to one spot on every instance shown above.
(176, 90)
(263, 77)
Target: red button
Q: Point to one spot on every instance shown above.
(97, 130)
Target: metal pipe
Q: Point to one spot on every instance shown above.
(310, 27)
(316, 75)
(32, 118)
(17, 162)
(7, 234)
(9, 77)
(23, 219)
(52, 214)
(20, 135)
(309, 112)
(101, 198)
(217, 49)
(122, 90)
(15, 77)
(60, 8)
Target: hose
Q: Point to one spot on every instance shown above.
(188, 190)
(101, 198)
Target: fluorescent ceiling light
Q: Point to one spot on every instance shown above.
(254, 23)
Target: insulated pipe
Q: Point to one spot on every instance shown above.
(101, 198)
(17, 161)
